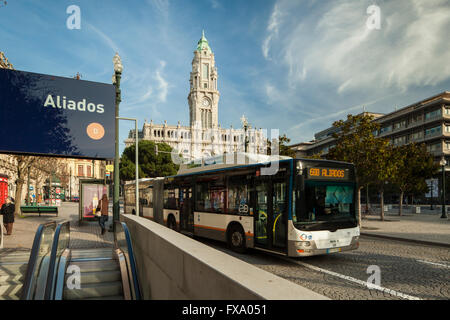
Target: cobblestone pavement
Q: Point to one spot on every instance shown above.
(408, 270)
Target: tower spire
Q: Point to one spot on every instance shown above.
(203, 44)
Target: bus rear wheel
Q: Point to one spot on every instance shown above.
(236, 238)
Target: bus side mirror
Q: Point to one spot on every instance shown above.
(300, 182)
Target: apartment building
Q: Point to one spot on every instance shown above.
(426, 121)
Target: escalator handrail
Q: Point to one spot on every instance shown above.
(34, 255)
(131, 258)
(49, 288)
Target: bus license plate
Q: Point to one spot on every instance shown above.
(333, 250)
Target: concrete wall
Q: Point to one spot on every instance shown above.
(174, 266)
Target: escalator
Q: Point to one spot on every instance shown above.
(100, 274)
(54, 271)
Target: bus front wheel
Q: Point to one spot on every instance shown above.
(236, 238)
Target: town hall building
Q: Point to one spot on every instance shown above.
(204, 136)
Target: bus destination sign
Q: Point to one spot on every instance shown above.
(327, 173)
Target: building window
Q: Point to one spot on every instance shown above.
(433, 131)
(80, 171)
(205, 70)
(417, 135)
(434, 147)
(88, 171)
(400, 124)
(400, 140)
(205, 85)
(433, 114)
(385, 129)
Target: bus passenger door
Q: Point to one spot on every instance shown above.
(280, 207)
(263, 213)
(186, 210)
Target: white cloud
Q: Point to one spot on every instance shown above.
(272, 28)
(163, 85)
(103, 36)
(215, 4)
(332, 44)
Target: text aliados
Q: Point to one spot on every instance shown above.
(73, 105)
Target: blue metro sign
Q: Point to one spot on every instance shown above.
(48, 115)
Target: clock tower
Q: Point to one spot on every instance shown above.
(203, 95)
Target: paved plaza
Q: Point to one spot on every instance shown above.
(86, 235)
(427, 226)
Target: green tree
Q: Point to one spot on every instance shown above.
(284, 149)
(385, 165)
(150, 164)
(416, 164)
(356, 143)
(316, 156)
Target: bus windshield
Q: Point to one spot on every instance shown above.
(323, 202)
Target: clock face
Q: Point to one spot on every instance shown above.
(205, 102)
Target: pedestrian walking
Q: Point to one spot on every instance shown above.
(7, 212)
(103, 208)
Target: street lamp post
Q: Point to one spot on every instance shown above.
(28, 187)
(245, 124)
(136, 160)
(444, 212)
(116, 81)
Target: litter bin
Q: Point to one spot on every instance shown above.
(417, 209)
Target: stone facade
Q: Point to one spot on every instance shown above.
(204, 136)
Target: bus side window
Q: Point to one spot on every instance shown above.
(238, 196)
(200, 196)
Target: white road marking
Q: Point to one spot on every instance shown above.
(363, 283)
(435, 263)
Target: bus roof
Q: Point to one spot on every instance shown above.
(228, 160)
(143, 180)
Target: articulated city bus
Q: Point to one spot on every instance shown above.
(307, 207)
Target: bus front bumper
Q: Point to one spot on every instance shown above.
(309, 248)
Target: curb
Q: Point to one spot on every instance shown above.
(430, 243)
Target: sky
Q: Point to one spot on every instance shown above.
(292, 65)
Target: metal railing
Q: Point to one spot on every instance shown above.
(58, 260)
(122, 241)
(36, 276)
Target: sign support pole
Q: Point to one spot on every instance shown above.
(136, 136)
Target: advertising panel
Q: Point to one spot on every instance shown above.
(91, 193)
(44, 114)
